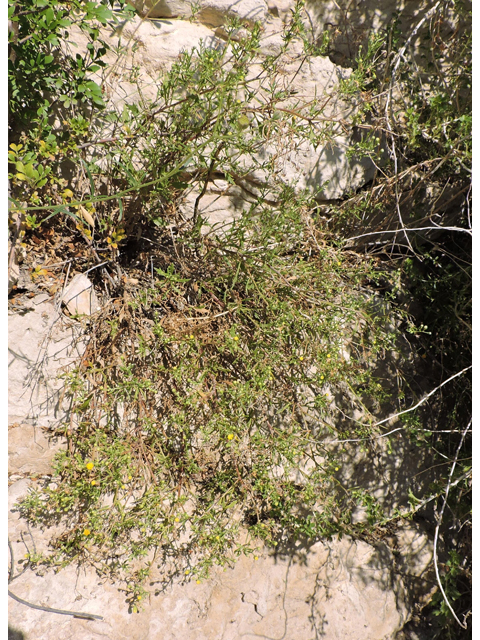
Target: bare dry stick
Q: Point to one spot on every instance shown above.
(437, 495)
(396, 415)
(440, 518)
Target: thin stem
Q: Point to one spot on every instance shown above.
(437, 528)
(396, 415)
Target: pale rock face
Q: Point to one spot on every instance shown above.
(326, 167)
(150, 49)
(80, 297)
(357, 596)
(40, 344)
(221, 204)
(163, 8)
(280, 8)
(337, 589)
(340, 589)
(215, 12)
(415, 561)
(159, 43)
(209, 12)
(30, 448)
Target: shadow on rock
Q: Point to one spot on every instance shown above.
(13, 634)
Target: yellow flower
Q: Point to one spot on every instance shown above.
(322, 377)
(337, 468)
(86, 532)
(89, 466)
(328, 355)
(191, 337)
(187, 571)
(139, 597)
(301, 358)
(230, 436)
(236, 338)
(255, 557)
(199, 582)
(93, 483)
(177, 519)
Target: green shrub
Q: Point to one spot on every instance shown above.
(201, 402)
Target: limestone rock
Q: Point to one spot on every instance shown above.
(324, 168)
(30, 450)
(80, 297)
(40, 344)
(150, 49)
(341, 589)
(160, 42)
(414, 547)
(280, 8)
(210, 12)
(221, 203)
(163, 8)
(215, 12)
(337, 589)
(357, 595)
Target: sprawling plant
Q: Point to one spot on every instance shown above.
(228, 359)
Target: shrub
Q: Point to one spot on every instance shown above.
(201, 402)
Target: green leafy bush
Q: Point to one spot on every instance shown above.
(200, 402)
(203, 399)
